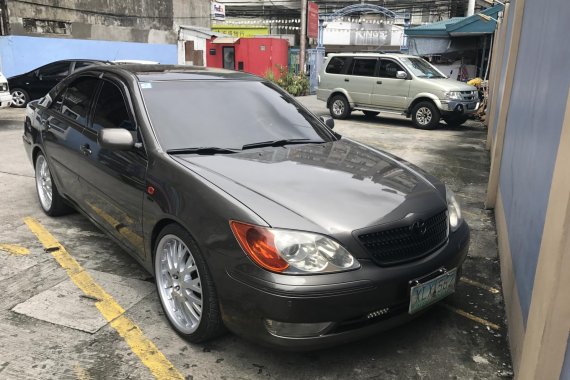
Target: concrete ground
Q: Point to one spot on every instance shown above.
(49, 329)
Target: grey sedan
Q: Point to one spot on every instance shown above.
(252, 213)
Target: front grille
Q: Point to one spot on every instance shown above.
(407, 243)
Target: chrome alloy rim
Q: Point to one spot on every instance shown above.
(423, 115)
(18, 98)
(43, 183)
(338, 107)
(179, 283)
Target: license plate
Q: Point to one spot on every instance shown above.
(427, 293)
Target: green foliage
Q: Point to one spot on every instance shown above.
(295, 84)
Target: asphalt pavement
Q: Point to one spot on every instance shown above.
(59, 277)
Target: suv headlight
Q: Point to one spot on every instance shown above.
(294, 252)
(453, 209)
(453, 95)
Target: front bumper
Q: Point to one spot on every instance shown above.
(347, 301)
(461, 107)
(5, 99)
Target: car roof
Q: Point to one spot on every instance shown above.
(369, 54)
(146, 72)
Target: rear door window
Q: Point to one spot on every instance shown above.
(363, 67)
(336, 65)
(77, 99)
(56, 70)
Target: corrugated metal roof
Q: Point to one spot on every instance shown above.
(439, 25)
(458, 26)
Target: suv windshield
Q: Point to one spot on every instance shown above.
(228, 114)
(421, 68)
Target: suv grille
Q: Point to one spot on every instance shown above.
(398, 245)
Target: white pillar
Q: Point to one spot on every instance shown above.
(470, 8)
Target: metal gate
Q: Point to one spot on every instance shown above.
(314, 61)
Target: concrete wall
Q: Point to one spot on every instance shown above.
(502, 78)
(154, 21)
(532, 135)
(531, 154)
(21, 54)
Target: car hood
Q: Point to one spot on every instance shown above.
(446, 84)
(337, 187)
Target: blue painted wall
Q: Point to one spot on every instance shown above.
(499, 95)
(534, 124)
(20, 54)
(566, 367)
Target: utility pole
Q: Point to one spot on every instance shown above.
(303, 36)
(470, 8)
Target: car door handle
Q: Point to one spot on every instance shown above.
(378, 82)
(85, 149)
(346, 80)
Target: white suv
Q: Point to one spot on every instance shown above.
(394, 83)
(5, 96)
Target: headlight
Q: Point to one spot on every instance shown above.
(453, 209)
(453, 95)
(286, 251)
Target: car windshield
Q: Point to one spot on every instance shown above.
(227, 114)
(422, 68)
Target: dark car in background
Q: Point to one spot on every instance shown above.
(36, 83)
(250, 212)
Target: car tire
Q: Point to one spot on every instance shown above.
(370, 113)
(20, 97)
(185, 286)
(339, 107)
(425, 115)
(50, 200)
(455, 121)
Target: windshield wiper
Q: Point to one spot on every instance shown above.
(206, 150)
(277, 143)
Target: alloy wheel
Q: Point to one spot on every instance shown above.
(338, 107)
(179, 283)
(18, 98)
(423, 115)
(43, 182)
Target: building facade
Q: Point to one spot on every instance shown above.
(36, 32)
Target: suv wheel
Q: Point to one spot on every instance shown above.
(425, 115)
(339, 107)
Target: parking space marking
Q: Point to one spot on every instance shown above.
(14, 249)
(143, 347)
(490, 289)
(472, 317)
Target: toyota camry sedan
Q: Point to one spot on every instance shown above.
(252, 214)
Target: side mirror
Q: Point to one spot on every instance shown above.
(115, 139)
(401, 75)
(329, 121)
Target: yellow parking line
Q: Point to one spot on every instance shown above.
(480, 285)
(14, 249)
(472, 317)
(143, 347)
